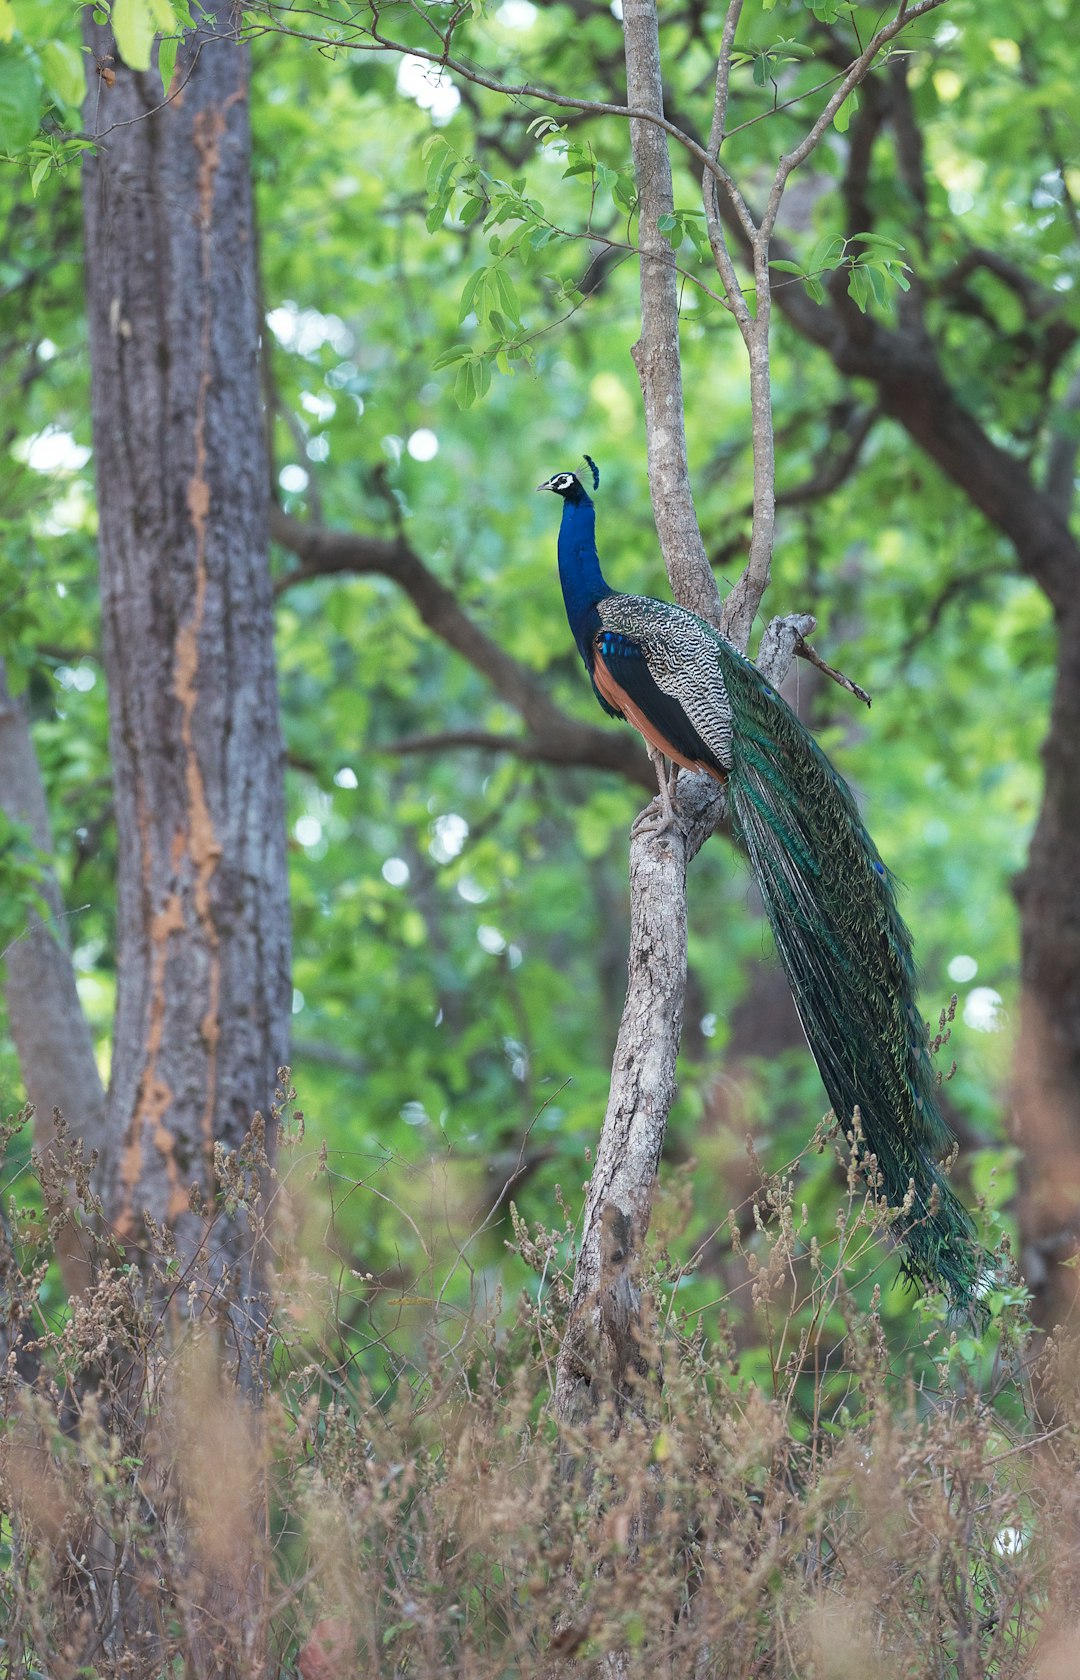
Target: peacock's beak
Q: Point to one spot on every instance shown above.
(545, 486)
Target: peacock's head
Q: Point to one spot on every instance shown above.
(563, 484)
(568, 484)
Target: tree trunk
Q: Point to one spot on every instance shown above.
(204, 994)
(1046, 1095)
(51, 1033)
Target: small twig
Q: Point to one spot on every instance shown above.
(803, 650)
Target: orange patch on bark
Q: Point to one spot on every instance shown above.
(201, 841)
(155, 1094)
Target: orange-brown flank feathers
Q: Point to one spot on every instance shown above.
(617, 696)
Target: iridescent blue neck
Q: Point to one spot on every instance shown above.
(579, 568)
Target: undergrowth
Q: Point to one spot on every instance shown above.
(381, 1486)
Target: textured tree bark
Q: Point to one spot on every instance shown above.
(51, 1034)
(1046, 1081)
(656, 354)
(203, 931)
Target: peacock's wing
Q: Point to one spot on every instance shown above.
(633, 668)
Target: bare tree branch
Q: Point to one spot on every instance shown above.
(656, 354)
(601, 1340)
(812, 657)
(560, 748)
(742, 604)
(1038, 301)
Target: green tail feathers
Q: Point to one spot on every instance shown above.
(832, 906)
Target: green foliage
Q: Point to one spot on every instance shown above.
(871, 269)
(766, 63)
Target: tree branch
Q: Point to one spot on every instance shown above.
(561, 748)
(600, 1339)
(371, 40)
(857, 73)
(656, 353)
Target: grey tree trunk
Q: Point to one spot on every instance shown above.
(51, 1033)
(183, 491)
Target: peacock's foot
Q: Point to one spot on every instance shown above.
(657, 819)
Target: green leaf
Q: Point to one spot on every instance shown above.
(7, 20)
(134, 28)
(875, 242)
(62, 67)
(827, 254)
(436, 216)
(20, 101)
(786, 267)
(471, 293)
(456, 353)
(166, 60)
(846, 112)
(859, 287)
(507, 294)
(465, 384)
(441, 168)
(667, 223)
(624, 192)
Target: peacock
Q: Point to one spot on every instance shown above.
(830, 900)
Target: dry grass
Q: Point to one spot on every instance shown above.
(402, 1503)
